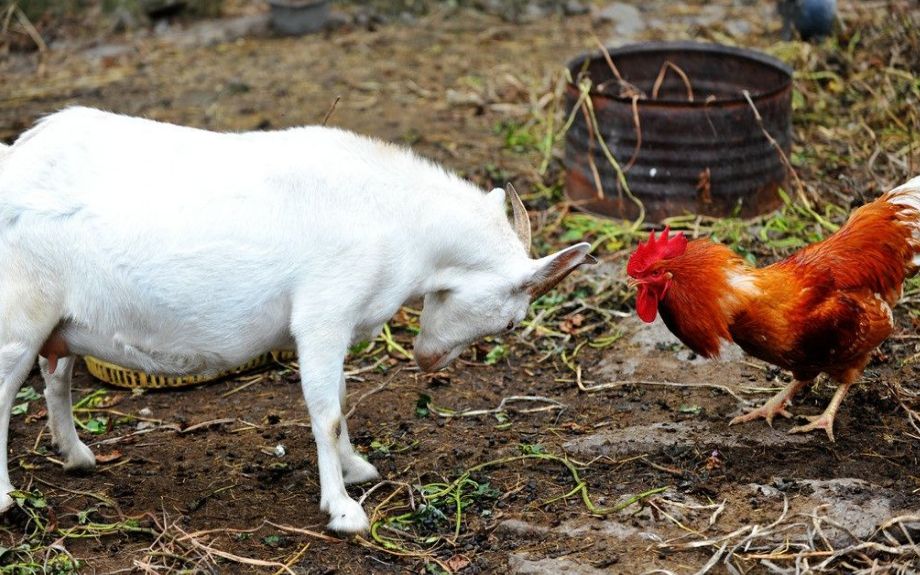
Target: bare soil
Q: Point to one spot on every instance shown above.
(226, 475)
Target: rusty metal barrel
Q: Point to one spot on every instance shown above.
(681, 128)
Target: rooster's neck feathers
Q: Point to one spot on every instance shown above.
(710, 284)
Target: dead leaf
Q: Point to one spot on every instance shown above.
(457, 562)
(109, 457)
(40, 414)
(570, 324)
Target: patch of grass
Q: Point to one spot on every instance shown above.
(25, 396)
(496, 354)
(41, 539)
(517, 137)
(418, 524)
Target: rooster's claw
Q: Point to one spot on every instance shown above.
(766, 411)
(817, 422)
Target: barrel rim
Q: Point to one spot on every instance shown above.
(709, 47)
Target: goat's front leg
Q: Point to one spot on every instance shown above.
(355, 469)
(77, 456)
(320, 376)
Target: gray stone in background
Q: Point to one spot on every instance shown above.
(212, 32)
(626, 19)
(575, 8)
(529, 10)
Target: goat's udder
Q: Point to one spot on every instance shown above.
(54, 348)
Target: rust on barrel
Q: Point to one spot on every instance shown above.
(708, 155)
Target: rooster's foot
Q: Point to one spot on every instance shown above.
(767, 411)
(823, 421)
(775, 406)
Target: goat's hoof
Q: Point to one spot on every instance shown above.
(80, 459)
(6, 502)
(347, 516)
(358, 470)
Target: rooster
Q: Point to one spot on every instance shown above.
(824, 309)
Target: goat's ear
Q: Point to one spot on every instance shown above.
(553, 268)
(497, 197)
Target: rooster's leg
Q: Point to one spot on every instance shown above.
(776, 405)
(825, 421)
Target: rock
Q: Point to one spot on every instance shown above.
(738, 28)
(710, 14)
(123, 20)
(858, 505)
(108, 53)
(338, 20)
(211, 32)
(765, 490)
(575, 528)
(578, 529)
(574, 8)
(655, 437)
(561, 566)
(518, 11)
(626, 19)
(522, 528)
(531, 13)
(161, 28)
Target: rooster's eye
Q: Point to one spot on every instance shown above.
(510, 325)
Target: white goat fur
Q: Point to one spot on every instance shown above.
(176, 250)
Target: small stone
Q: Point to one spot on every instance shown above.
(161, 27)
(626, 18)
(338, 20)
(738, 28)
(123, 20)
(575, 8)
(710, 14)
(765, 490)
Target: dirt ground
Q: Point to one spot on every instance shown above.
(192, 475)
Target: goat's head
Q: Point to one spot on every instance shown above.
(472, 303)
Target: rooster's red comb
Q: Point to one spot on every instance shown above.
(655, 250)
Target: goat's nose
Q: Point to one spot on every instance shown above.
(428, 362)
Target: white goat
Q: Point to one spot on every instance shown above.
(175, 250)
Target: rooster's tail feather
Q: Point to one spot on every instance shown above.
(908, 196)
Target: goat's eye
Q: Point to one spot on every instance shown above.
(510, 325)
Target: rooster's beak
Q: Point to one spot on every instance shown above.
(633, 283)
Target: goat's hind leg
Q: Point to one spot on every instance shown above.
(16, 360)
(77, 456)
(26, 321)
